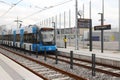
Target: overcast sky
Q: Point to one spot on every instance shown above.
(29, 11)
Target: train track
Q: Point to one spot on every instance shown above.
(103, 68)
(43, 70)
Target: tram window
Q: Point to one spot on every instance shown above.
(36, 38)
(31, 38)
(11, 37)
(5, 37)
(18, 37)
(0, 37)
(8, 37)
(24, 37)
(28, 38)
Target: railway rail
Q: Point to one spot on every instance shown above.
(110, 71)
(103, 68)
(43, 70)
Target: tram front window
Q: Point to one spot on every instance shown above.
(48, 37)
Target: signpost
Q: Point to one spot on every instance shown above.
(102, 28)
(84, 23)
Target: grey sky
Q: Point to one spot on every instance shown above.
(28, 7)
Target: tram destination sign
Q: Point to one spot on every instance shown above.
(104, 27)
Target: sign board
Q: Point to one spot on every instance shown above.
(83, 23)
(104, 27)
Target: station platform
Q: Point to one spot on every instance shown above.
(106, 54)
(9, 70)
(108, 57)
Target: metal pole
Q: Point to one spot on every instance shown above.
(64, 22)
(36, 46)
(76, 25)
(54, 32)
(45, 54)
(102, 31)
(103, 8)
(102, 38)
(64, 28)
(56, 29)
(24, 48)
(93, 64)
(56, 56)
(30, 50)
(47, 21)
(102, 41)
(119, 22)
(90, 30)
(60, 30)
(16, 46)
(71, 59)
(70, 27)
(83, 10)
(17, 21)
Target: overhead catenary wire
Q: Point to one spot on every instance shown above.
(46, 8)
(12, 6)
(43, 9)
(5, 3)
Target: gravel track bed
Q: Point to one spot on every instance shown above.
(78, 70)
(87, 73)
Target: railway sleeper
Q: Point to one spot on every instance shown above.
(117, 71)
(107, 69)
(48, 72)
(43, 70)
(52, 75)
(36, 68)
(33, 65)
(65, 78)
(56, 76)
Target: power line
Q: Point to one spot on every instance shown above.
(12, 6)
(5, 3)
(46, 8)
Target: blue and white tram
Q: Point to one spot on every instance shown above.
(34, 39)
